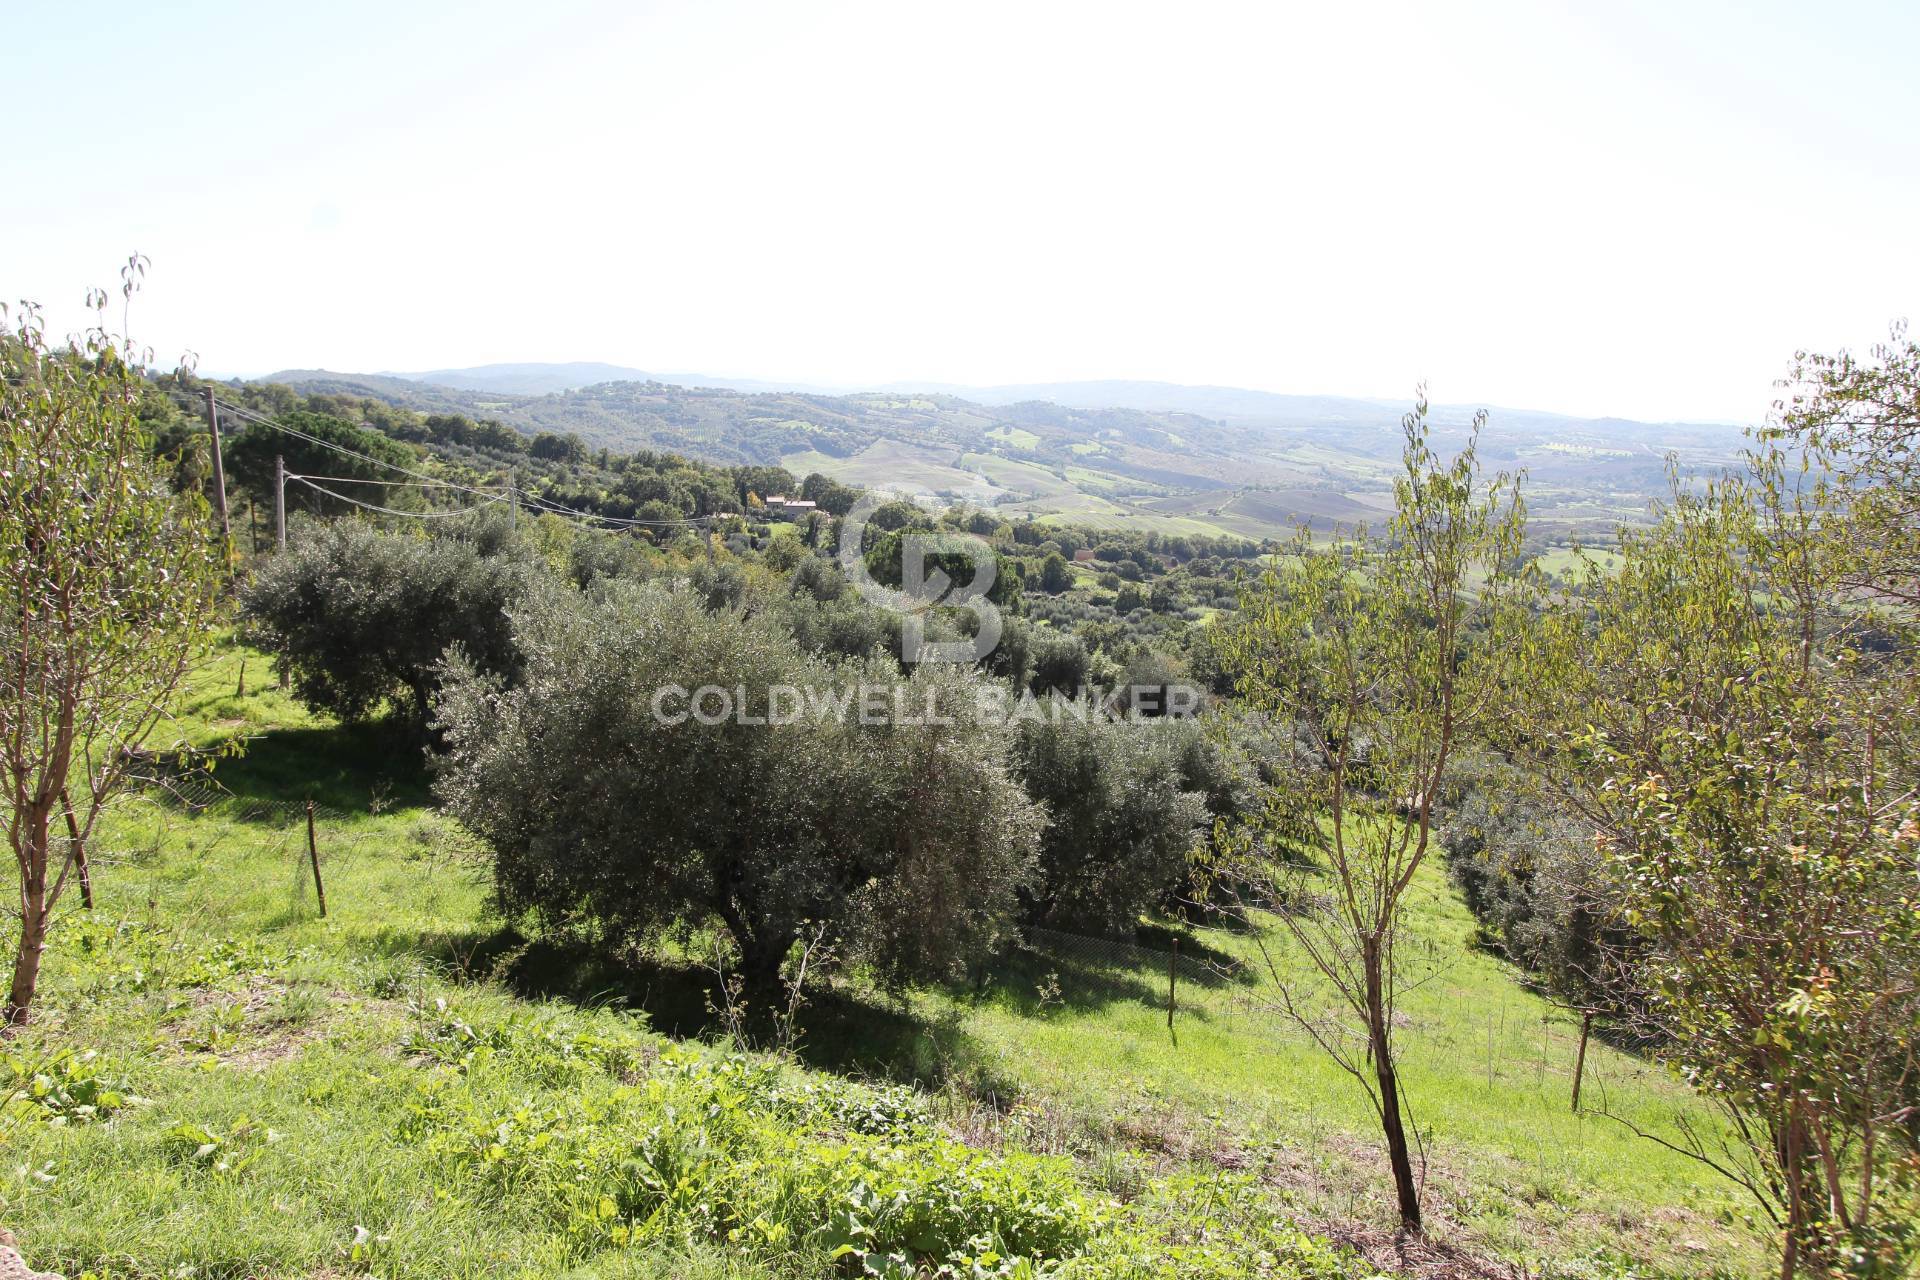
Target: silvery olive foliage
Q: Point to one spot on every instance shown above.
(359, 618)
(1124, 818)
(904, 839)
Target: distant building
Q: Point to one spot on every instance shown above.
(1083, 555)
(779, 505)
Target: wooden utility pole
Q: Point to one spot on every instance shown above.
(79, 853)
(279, 504)
(513, 495)
(219, 476)
(707, 526)
(313, 855)
(280, 545)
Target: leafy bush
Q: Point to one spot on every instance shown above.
(1058, 662)
(816, 577)
(361, 618)
(1122, 821)
(1530, 874)
(67, 1087)
(592, 556)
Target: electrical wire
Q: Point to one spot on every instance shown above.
(389, 484)
(310, 438)
(519, 497)
(392, 511)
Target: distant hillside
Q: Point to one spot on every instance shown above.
(1195, 459)
(528, 379)
(1225, 404)
(543, 379)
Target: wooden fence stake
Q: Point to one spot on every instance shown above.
(313, 854)
(1173, 962)
(1580, 1059)
(79, 853)
(240, 685)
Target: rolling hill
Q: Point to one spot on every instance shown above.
(1111, 454)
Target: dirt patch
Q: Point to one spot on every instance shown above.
(1417, 1257)
(245, 1029)
(277, 1048)
(13, 1266)
(248, 1002)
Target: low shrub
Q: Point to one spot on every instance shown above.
(731, 1149)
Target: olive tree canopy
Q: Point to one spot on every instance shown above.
(615, 811)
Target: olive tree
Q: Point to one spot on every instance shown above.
(1121, 817)
(359, 617)
(622, 802)
(1059, 662)
(106, 584)
(1362, 652)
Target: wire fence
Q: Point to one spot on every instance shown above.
(1189, 978)
(313, 843)
(1204, 978)
(514, 497)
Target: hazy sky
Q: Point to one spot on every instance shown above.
(1630, 208)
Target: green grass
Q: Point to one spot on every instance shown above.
(1487, 1066)
(1017, 437)
(896, 467)
(354, 1075)
(1565, 560)
(1017, 476)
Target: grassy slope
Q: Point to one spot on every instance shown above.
(1487, 1066)
(307, 1097)
(212, 989)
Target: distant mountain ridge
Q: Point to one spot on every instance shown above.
(1116, 454)
(536, 379)
(1220, 403)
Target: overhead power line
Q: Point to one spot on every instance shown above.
(385, 484)
(393, 511)
(517, 496)
(324, 443)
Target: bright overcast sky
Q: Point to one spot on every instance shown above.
(1629, 208)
